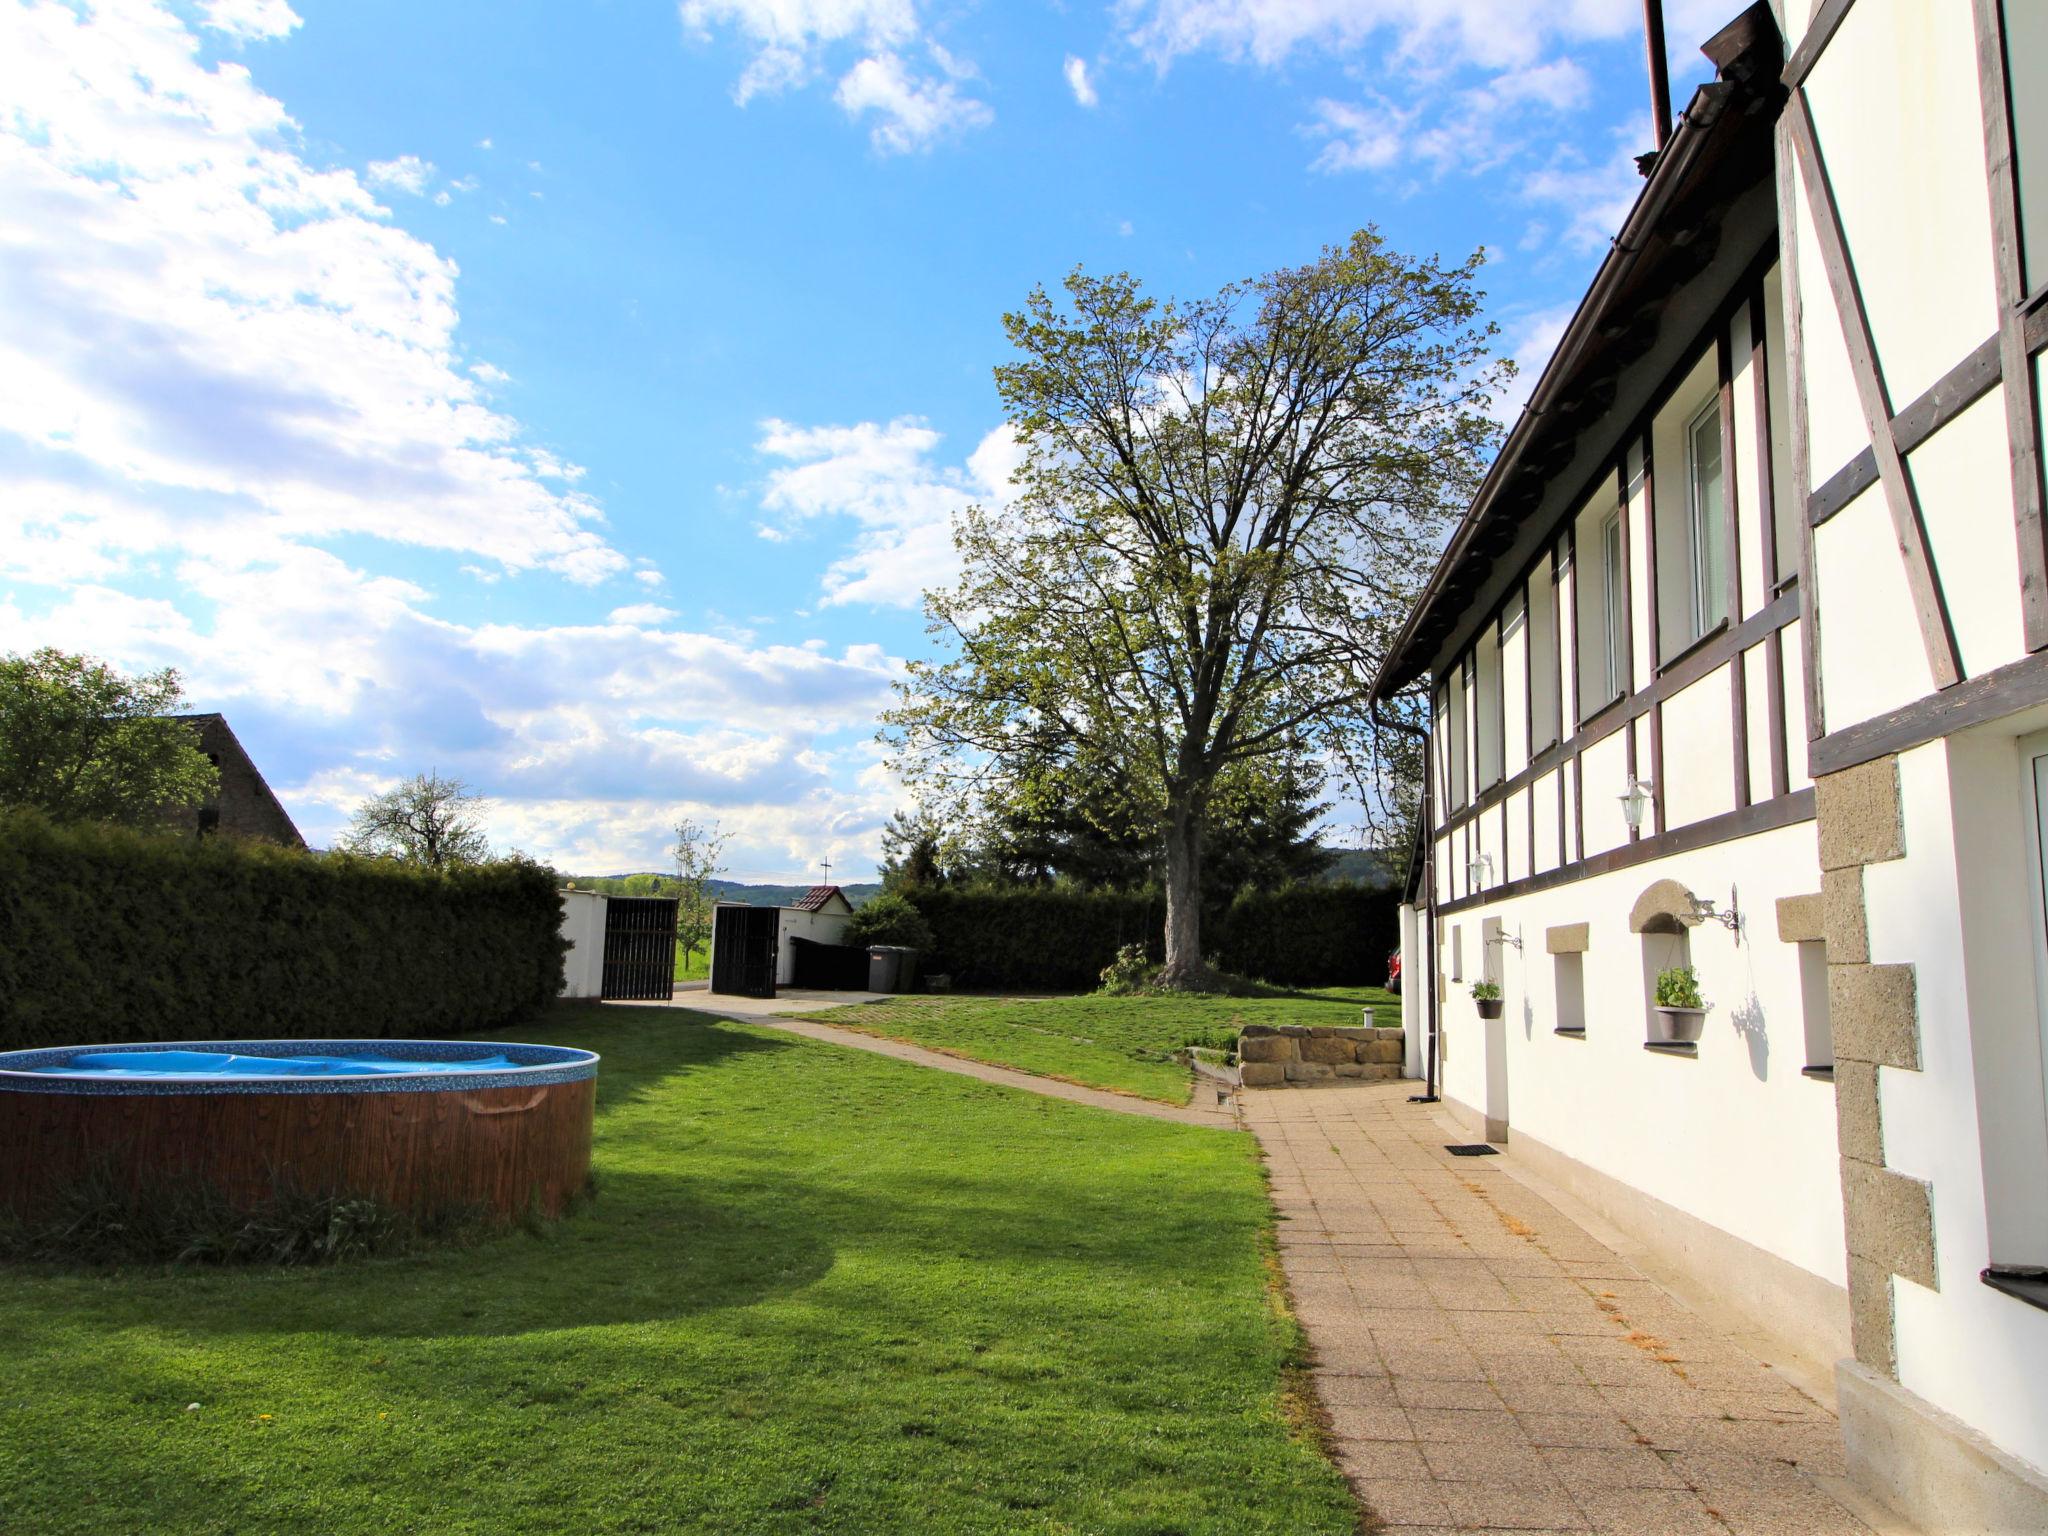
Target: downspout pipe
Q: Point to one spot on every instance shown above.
(1429, 1056)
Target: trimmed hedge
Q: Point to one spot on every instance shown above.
(1035, 938)
(1038, 938)
(109, 935)
(1311, 935)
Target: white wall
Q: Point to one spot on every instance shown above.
(1965, 1348)
(583, 927)
(1738, 1137)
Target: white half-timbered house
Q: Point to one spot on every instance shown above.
(1739, 660)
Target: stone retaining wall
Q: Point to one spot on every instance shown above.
(1297, 1055)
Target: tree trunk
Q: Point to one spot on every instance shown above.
(1185, 969)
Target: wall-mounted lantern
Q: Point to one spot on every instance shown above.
(1641, 793)
(1479, 871)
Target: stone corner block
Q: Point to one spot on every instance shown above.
(1871, 1333)
(1889, 1221)
(1568, 939)
(1845, 924)
(1262, 1074)
(1802, 920)
(1874, 1014)
(1858, 814)
(1859, 1127)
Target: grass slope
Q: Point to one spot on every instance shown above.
(1120, 1043)
(820, 1291)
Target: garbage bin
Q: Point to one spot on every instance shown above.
(891, 968)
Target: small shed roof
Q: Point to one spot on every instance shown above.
(819, 898)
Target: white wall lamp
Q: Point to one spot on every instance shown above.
(1479, 871)
(1637, 799)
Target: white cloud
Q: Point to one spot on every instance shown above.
(250, 20)
(1076, 70)
(220, 363)
(1531, 339)
(912, 112)
(792, 40)
(1357, 138)
(648, 615)
(886, 478)
(191, 310)
(408, 173)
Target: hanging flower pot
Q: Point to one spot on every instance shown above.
(1487, 995)
(1681, 1013)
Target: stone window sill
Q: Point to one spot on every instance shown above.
(1569, 1034)
(2030, 1288)
(1672, 1047)
(1824, 1074)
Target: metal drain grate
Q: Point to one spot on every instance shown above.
(1473, 1149)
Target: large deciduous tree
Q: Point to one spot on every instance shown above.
(1225, 507)
(427, 820)
(81, 742)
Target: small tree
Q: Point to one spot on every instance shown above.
(427, 820)
(696, 854)
(889, 918)
(81, 742)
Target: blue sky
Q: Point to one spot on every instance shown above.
(573, 398)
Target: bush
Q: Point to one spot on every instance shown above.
(1035, 938)
(112, 936)
(887, 918)
(1057, 938)
(1310, 935)
(1128, 972)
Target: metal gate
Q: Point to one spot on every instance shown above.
(743, 950)
(639, 949)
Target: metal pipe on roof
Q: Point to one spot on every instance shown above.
(1660, 76)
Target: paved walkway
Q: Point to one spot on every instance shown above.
(1489, 1365)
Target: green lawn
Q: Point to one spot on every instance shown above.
(819, 1291)
(697, 967)
(1121, 1043)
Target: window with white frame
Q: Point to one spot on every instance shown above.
(1707, 519)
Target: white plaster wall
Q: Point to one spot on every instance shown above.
(1738, 1137)
(1699, 752)
(1835, 433)
(1900, 123)
(1756, 699)
(1965, 1348)
(1872, 657)
(1792, 658)
(1546, 790)
(1965, 486)
(583, 927)
(818, 927)
(1605, 766)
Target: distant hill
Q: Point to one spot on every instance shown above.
(1368, 866)
(642, 883)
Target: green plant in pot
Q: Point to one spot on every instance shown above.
(1681, 1012)
(1487, 995)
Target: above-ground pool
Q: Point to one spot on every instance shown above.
(428, 1126)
